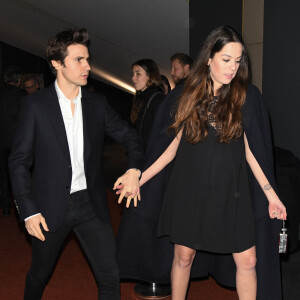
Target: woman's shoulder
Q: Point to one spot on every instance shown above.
(156, 91)
(254, 107)
(253, 93)
(253, 98)
(156, 94)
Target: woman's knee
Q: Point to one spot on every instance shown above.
(184, 257)
(246, 261)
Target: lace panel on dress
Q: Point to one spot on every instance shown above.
(211, 116)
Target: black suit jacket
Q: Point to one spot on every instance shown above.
(40, 164)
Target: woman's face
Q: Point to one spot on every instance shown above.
(224, 64)
(139, 78)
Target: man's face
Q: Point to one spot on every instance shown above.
(179, 71)
(31, 86)
(75, 71)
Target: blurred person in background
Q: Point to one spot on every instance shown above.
(31, 84)
(10, 102)
(166, 84)
(181, 65)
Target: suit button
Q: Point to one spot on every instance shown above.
(69, 166)
(67, 187)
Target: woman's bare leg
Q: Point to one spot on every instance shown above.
(181, 268)
(246, 282)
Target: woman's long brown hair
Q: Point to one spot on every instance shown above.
(192, 109)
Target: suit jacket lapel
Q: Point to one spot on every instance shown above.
(57, 121)
(86, 107)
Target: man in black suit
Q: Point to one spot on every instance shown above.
(10, 101)
(56, 167)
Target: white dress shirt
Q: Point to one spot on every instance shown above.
(74, 131)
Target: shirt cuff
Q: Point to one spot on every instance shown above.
(31, 216)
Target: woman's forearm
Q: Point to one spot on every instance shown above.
(259, 174)
(162, 161)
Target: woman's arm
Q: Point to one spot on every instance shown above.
(155, 168)
(276, 208)
(162, 161)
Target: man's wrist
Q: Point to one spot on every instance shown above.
(31, 216)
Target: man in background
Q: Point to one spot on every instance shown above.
(181, 65)
(10, 101)
(31, 84)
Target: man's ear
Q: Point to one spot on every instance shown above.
(209, 61)
(57, 65)
(186, 68)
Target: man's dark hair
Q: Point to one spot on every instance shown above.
(12, 74)
(58, 44)
(183, 58)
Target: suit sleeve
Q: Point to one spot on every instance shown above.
(123, 133)
(21, 161)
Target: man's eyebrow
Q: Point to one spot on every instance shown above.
(82, 57)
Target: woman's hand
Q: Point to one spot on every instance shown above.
(277, 210)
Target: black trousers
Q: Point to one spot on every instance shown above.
(97, 240)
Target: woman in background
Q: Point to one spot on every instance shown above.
(149, 95)
(135, 233)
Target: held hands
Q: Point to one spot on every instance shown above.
(277, 210)
(33, 226)
(128, 186)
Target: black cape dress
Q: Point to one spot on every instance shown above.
(144, 256)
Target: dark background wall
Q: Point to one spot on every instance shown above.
(207, 15)
(281, 71)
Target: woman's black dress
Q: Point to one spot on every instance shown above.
(207, 203)
(139, 252)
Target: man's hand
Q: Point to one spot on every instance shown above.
(128, 185)
(33, 226)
